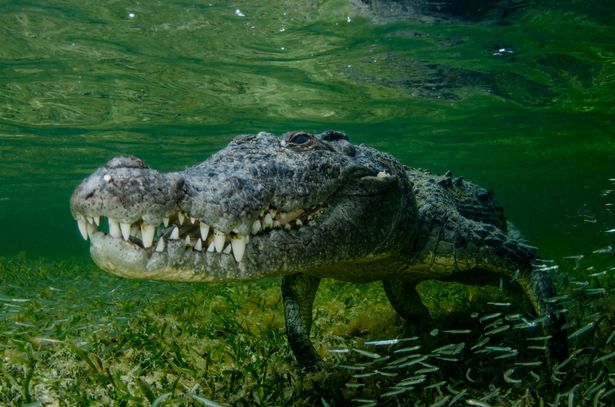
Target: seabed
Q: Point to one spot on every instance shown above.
(74, 335)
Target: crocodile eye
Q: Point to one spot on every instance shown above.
(300, 138)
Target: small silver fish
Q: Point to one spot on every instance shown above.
(500, 304)
(490, 316)
(396, 391)
(604, 250)
(371, 355)
(498, 330)
(408, 349)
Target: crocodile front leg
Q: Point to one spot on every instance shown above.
(298, 292)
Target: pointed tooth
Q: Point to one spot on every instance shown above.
(256, 226)
(192, 220)
(199, 245)
(211, 247)
(276, 223)
(175, 234)
(91, 229)
(219, 239)
(188, 241)
(125, 228)
(239, 247)
(81, 223)
(299, 222)
(227, 249)
(267, 221)
(165, 222)
(180, 217)
(90, 219)
(147, 233)
(160, 245)
(204, 230)
(114, 228)
(97, 220)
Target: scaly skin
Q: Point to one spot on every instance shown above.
(305, 207)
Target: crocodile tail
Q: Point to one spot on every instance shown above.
(539, 289)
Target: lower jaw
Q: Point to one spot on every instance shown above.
(176, 263)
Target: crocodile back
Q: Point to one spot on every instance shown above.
(471, 201)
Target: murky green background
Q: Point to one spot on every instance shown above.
(521, 104)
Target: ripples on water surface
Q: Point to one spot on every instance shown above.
(519, 100)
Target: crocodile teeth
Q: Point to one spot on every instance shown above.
(192, 220)
(204, 230)
(199, 245)
(125, 228)
(82, 228)
(256, 226)
(114, 228)
(188, 241)
(227, 249)
(91, 229)
(180, 217)
(211, 248)
(97, 220)
(175, 234)
(147, 233)
(239, 247)
(219, 238)
(160, 245)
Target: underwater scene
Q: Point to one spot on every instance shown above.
(515, 96)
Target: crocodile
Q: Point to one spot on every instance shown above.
(305, 207)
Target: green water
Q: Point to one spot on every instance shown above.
(523, 105)
(175, 81)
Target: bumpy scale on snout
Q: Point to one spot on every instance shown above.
(304, 207)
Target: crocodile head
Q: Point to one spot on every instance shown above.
(262, 206)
